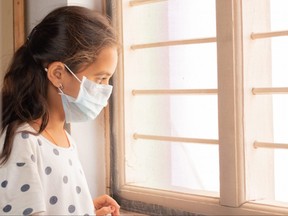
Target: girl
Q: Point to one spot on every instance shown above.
(60, 74)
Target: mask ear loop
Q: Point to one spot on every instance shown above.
(72, 73)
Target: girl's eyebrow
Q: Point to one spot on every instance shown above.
(102, 73)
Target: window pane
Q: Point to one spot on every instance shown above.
(194, 116)
(149, 71)
(279, 61)
(179, 67)
(183, 166)
(191, 19)
(143, 167)
(147, 23)
(280, 128)
(180, 116)
(173, 20)
(160, 164)
(189, 69)
(279, 17)
(280, 118)
(191, 169)
(281, 175)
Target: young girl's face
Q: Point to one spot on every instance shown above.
(99, 72)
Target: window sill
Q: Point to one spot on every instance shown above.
(204, 205)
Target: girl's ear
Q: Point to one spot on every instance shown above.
(55, 73)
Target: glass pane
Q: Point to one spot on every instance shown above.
(280, 128)
(143, 167)
(191, 169)
(151, 115)
(280, 118)
(281, 175)
(191, 19)
(183, 166)
(173, 20)
(279, 61)
(159, 164)
(179, 116)
(189, 69)
(194, 116)
(148, 23)
(179, 67)
(147, 69)
(279, 15)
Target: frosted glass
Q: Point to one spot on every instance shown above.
(183, 167)
(179, 67)
(279, 47)
(173, 20)
(281, 175)
(279, 61)
(279, 15)
(180, 116)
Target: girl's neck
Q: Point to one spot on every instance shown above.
(54, 132)
(52, 124)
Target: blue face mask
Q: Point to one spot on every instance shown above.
(91, 99)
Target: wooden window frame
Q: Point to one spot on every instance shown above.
(231, 65)
(18, 23)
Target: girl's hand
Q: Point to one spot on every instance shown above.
(106, 205)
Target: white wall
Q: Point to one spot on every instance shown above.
(89, 136)
(91, 145)
(86, 3)
(36, 10)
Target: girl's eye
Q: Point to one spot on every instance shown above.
(101, 80)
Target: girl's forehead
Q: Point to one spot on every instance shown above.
(105, 63)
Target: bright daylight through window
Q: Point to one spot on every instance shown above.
(205, 105)
(279, 18)
(160, 163)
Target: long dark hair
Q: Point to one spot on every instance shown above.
(73, 35)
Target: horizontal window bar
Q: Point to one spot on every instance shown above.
(270, 145)
(174, 91)
(268, 34)
(142, 2)
(174, 43)
(175, 139)
(275, 90)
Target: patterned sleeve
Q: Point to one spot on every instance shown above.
(20, 185)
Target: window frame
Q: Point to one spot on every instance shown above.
(231, 71)
(230, 95)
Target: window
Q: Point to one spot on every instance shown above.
(272, 90)
(189, 125)
(159, 101)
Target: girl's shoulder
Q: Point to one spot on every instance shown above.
(25, 136)
(21, 188)
(24, 143)
(30, 146)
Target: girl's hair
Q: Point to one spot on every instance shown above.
(72, 35)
